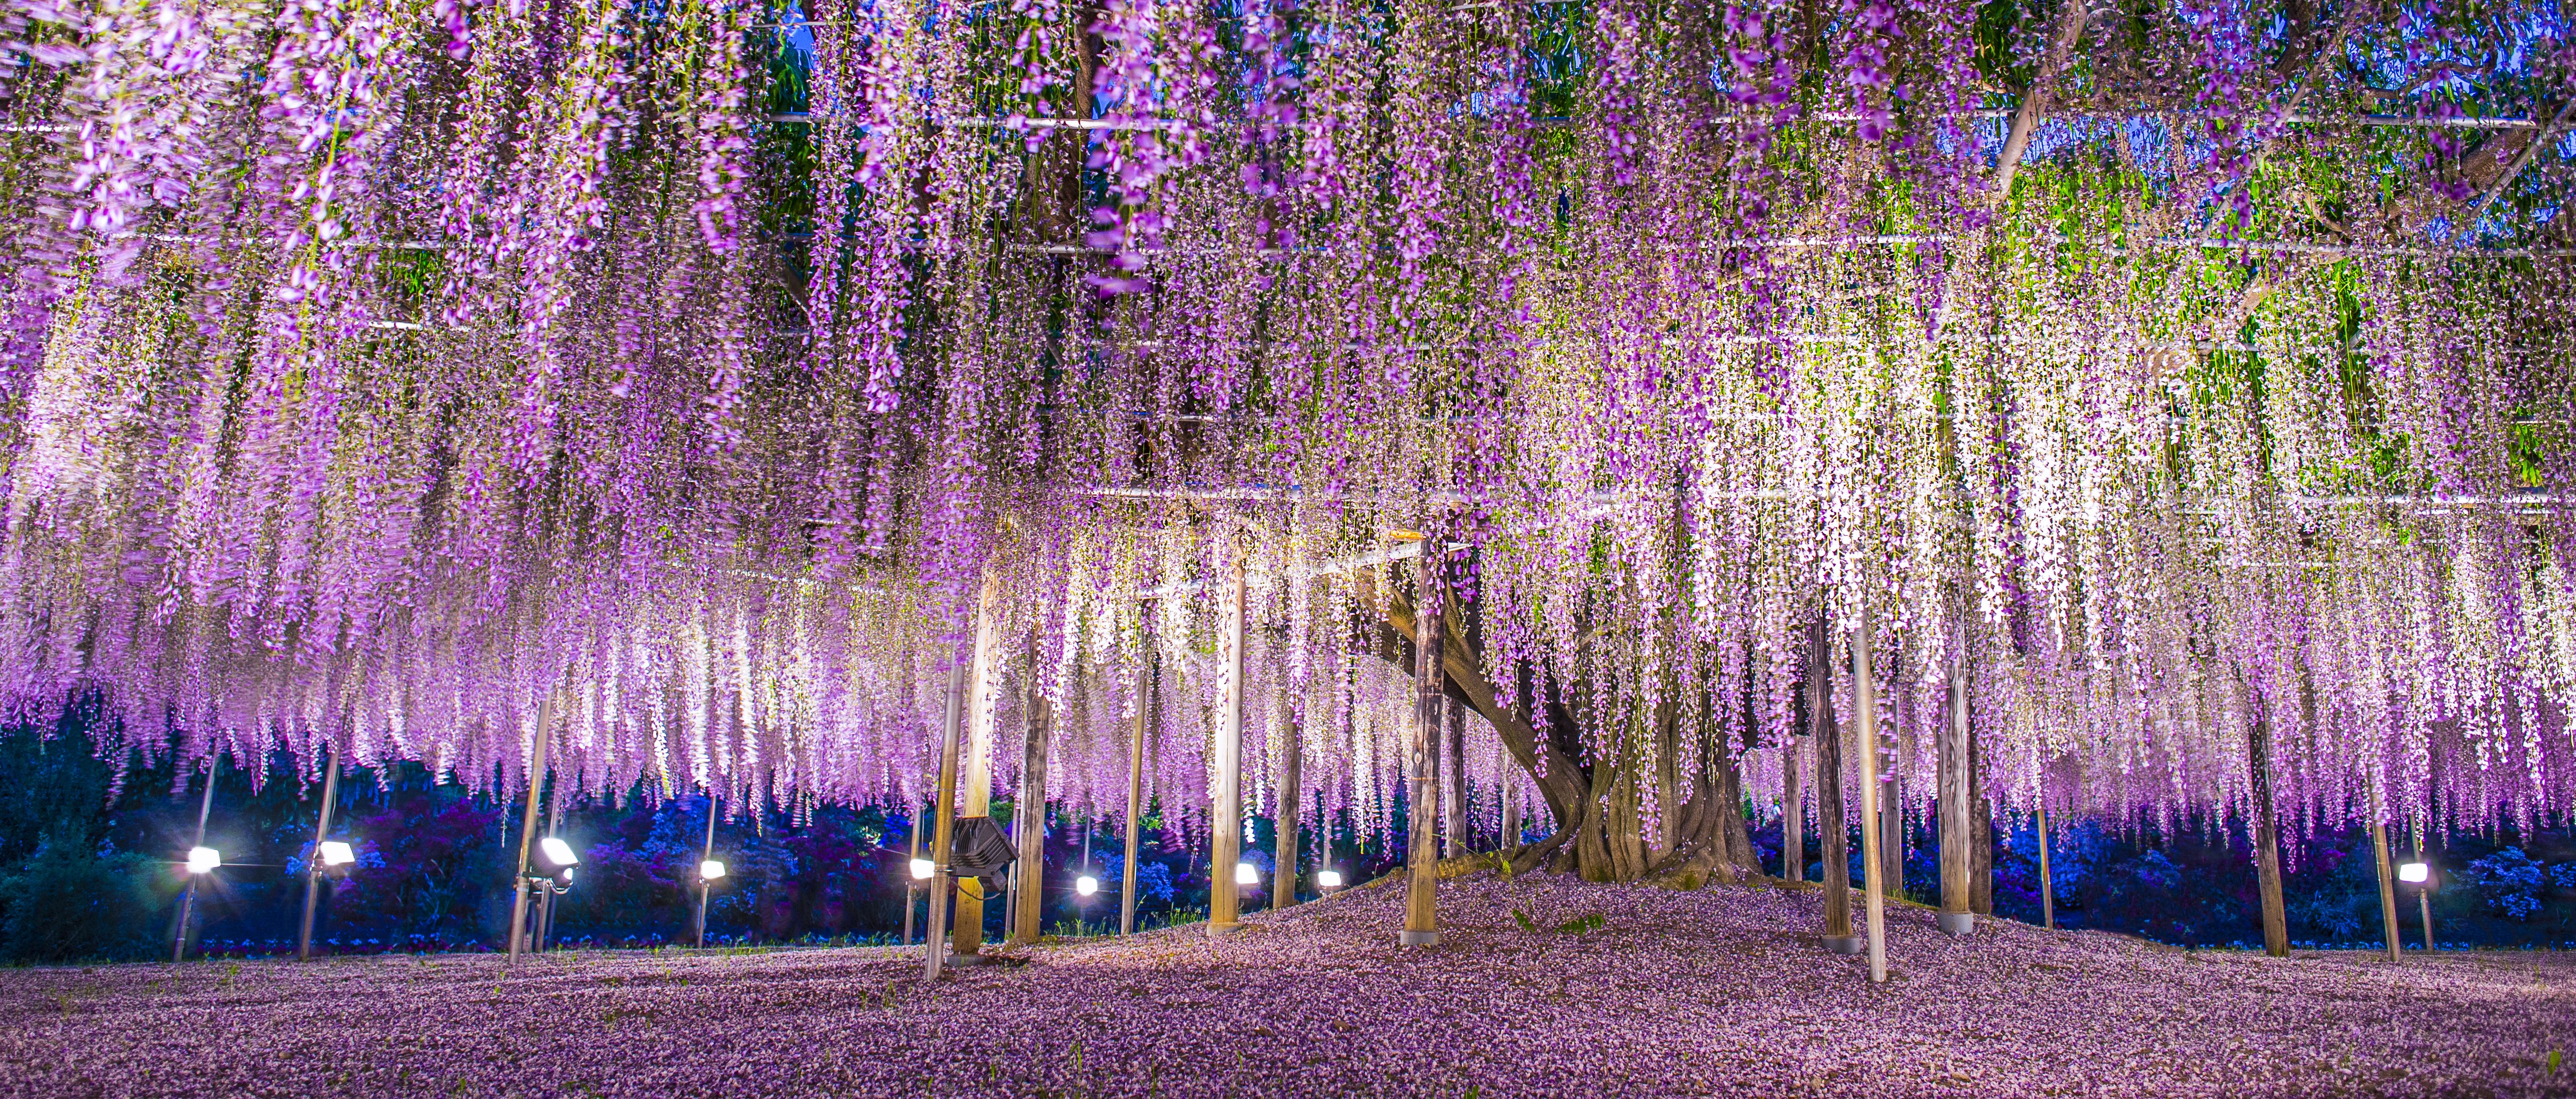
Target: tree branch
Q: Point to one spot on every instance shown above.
(2072, 17)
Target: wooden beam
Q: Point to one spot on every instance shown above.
(527, 824)
(2047, 881)
(313, 858)
(1793, 810)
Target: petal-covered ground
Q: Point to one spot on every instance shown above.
(1720, 991)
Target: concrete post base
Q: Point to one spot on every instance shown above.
(1958, 923)
(1847, 944)
(1417, 938)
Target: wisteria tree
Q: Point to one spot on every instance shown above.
(2180, 390)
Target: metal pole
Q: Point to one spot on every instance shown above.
(708, 851)
(934, 937)
(1422, 854)
(313, 861)
(1865, 712)
(1145, 673)
(528, 824)
(1225, 823)
(188, 903)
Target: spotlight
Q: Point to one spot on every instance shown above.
(2414, 873)
(336, 853)
(1086, 885)
(922, 869)
(1246, 874)
(1328, 879)
(558, 854)
(202, 860)
(711, 869)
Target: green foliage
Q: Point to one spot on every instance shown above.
(66, 903)
(1583, 924)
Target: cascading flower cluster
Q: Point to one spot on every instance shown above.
(674, 380)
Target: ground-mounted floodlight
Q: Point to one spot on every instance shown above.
(337, 853)
(2415, 873)
(922, 869)
(204, 860)
(1086, 885)
(1246, 874)
(711, 870)
(1328, 880)
(558, 853)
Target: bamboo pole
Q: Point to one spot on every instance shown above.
(313, 861)
(1146, 670)
(528, 824)
(1225, 816)
(707, 850)
(934, 938)
(188, 901)
(2387, 874)
(1865, 732)
(975, 771)
(1422, 869)
(1831, 828)
(1028, 897)
(1957, 916)
(2047, 881)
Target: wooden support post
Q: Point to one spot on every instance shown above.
(2424, 892)
(2267, 847)
(1865, 734)
(188, 901)
(707, 850)
(975, 771)
(1510, 796)
(912, 886)
(1285, 842)
(1453, 775)
(1225, 817)
(934, 938)
(1143, 723)
(1831, 828)
(543, 934)
(1028, 897)
(1422, 859)
(313, 859)
(1793, 810)
(2387, 872)
(1956, 916)
(2047, 880)
(528, 823)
